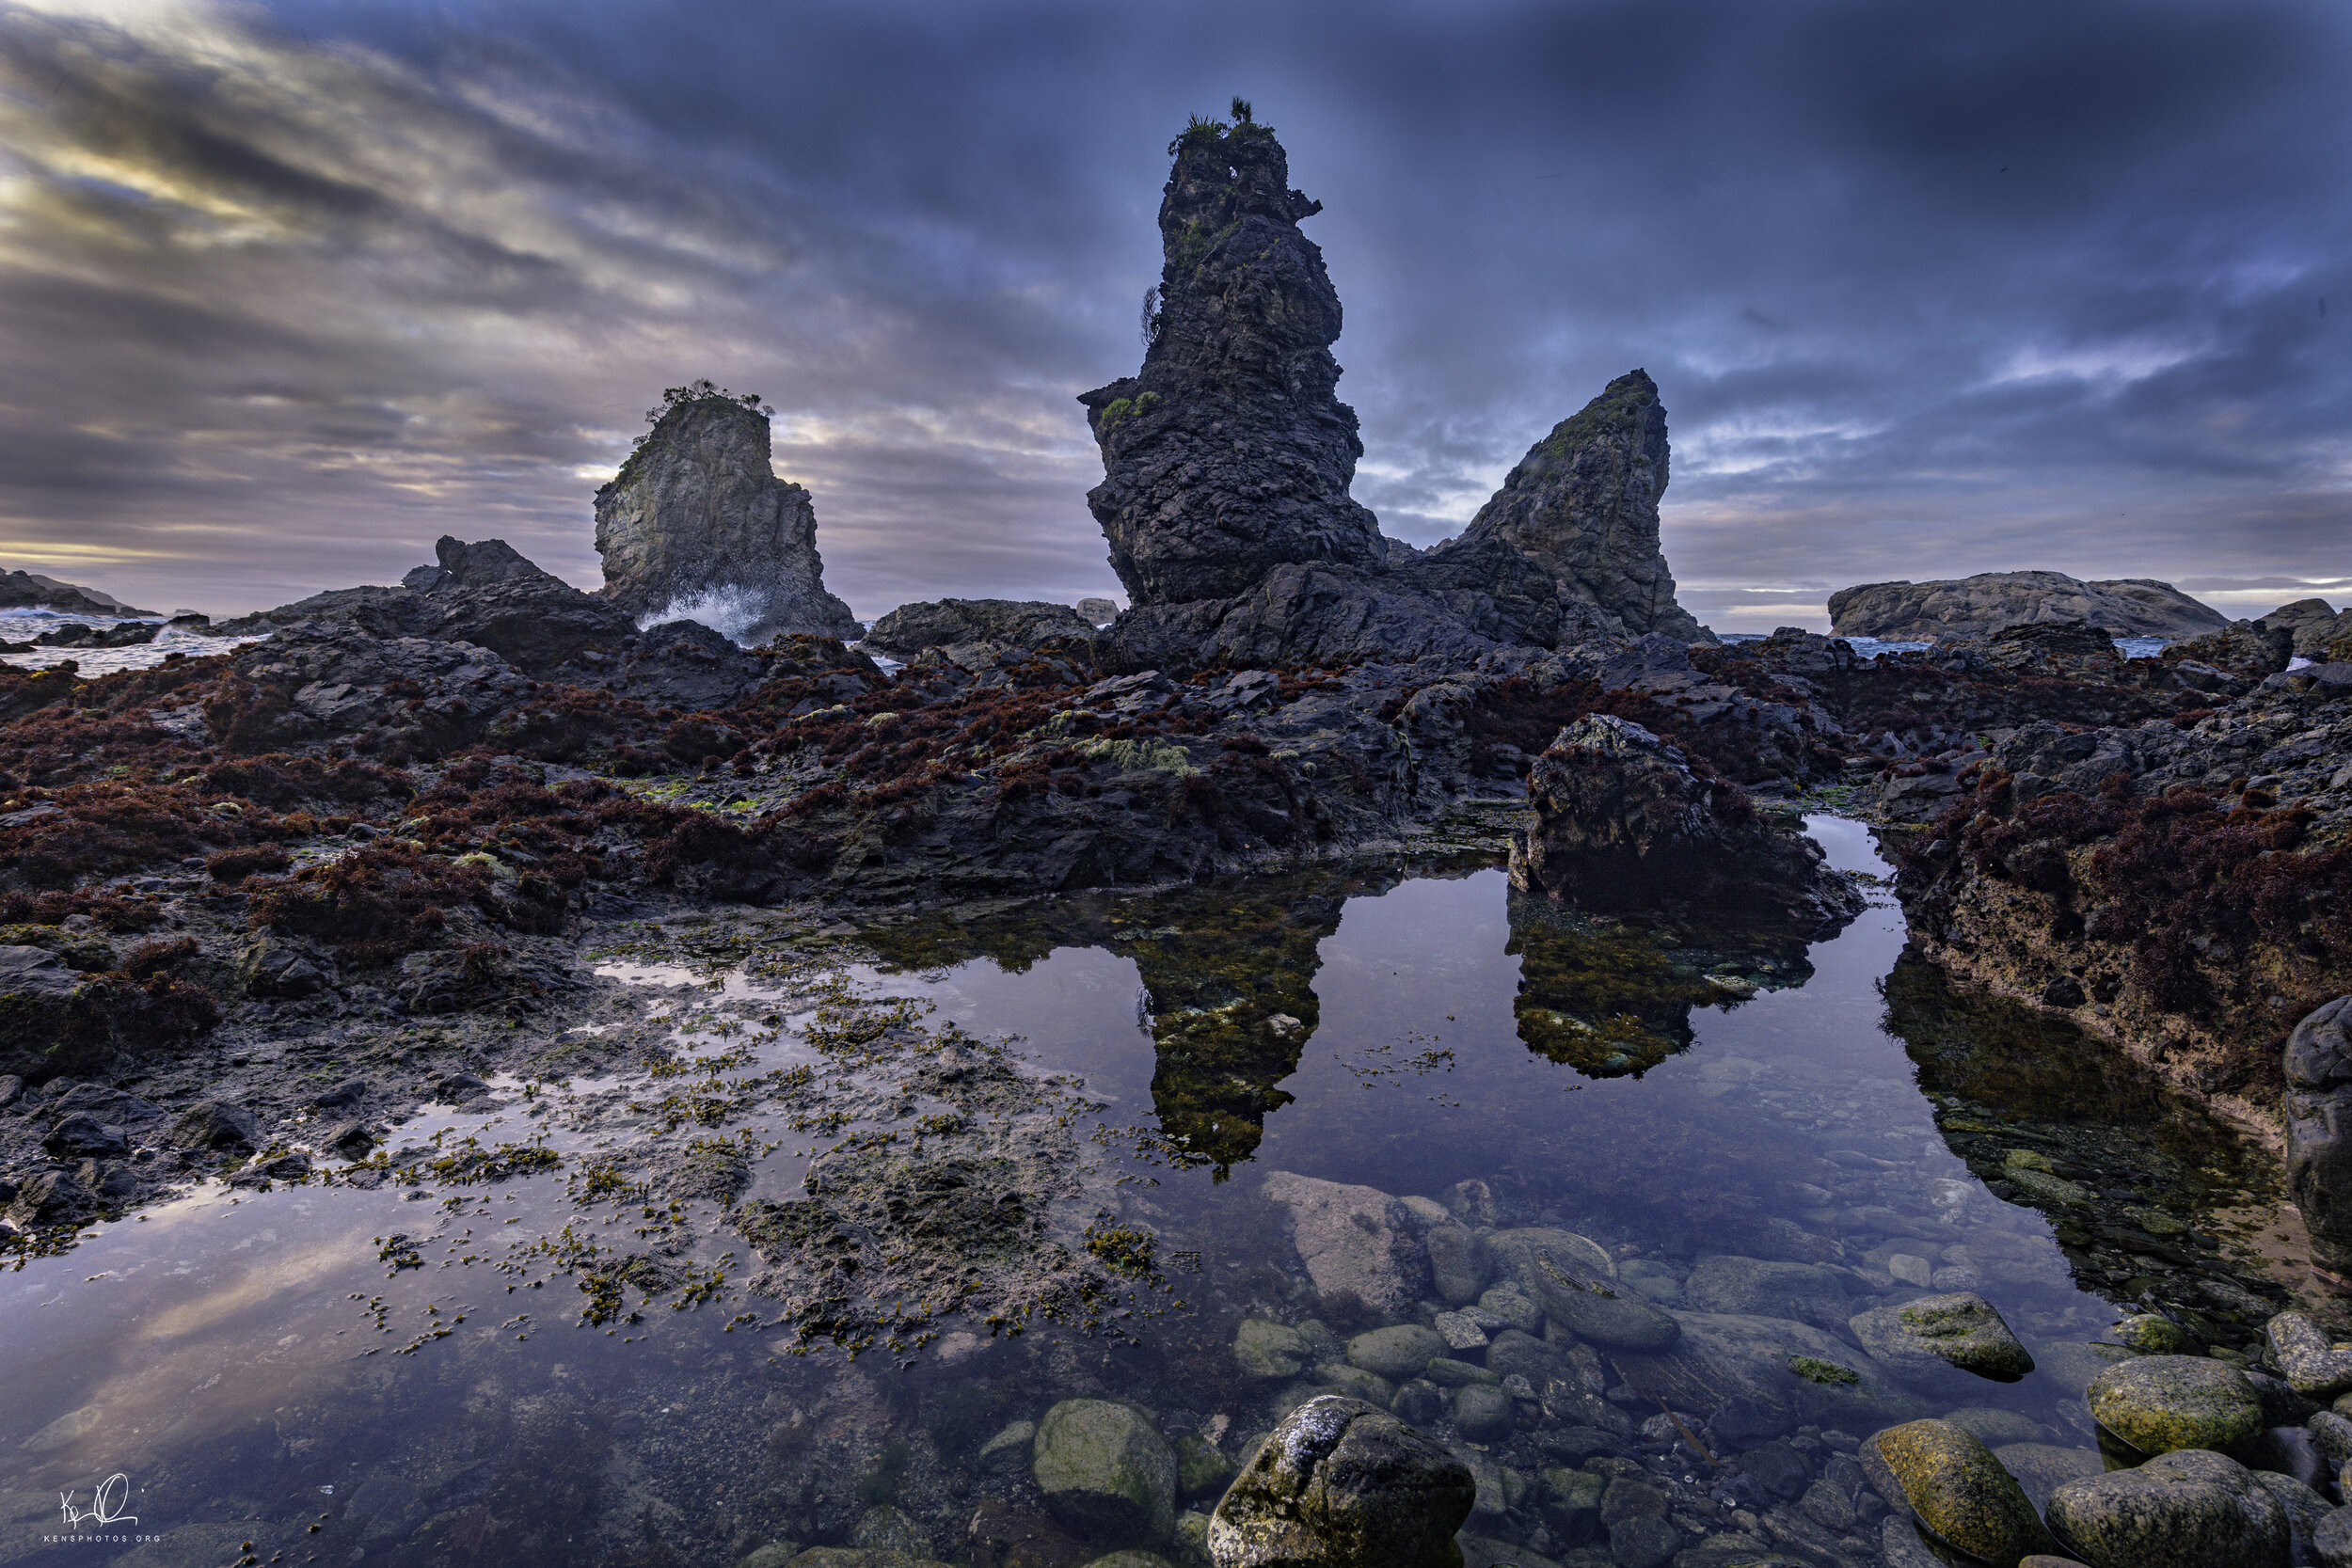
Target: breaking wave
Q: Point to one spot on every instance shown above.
(728, 611)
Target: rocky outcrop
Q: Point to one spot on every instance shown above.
(1623, 819)
(1230, 453)
(1583, 505)
(948, 623)
(1325, 616)
(32, 590)
(696, 526)
(1968, 607)
(2319, 1131)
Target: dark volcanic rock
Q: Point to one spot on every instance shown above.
(2240, 648)
(946, 622)
(1964, 607)
(1622, 820)
(1299, 615)
(698, 525)
(491, 596)
(1231, 453)
(2319, 1131)
(1583, 505)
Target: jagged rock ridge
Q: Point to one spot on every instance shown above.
(697, 524)
(31, 591)
(1231, 453)
(1972, 607)
(1583, 504)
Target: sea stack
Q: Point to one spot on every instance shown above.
(1231, 453)
(696, 526)
(1583, 504)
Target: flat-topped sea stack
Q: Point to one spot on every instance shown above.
(1971, 607)
(1583, 504)
(1230, 453)
(696, 526)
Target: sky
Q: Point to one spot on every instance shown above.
(288, 291)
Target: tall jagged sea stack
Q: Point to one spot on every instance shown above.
(1231, 453)
(697, 524)
(1583, 504)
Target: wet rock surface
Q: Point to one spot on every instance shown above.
(1957, 1489)
(2160, 1403)
(2177, 1510)
(1340, 1484)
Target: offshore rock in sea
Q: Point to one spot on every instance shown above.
(1622, 820)
(1583, 504)
(1970, 606)
(1341, 1484)
(696, 526)
(1230, 453)
(949, 623)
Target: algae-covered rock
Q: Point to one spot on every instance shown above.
(1201, 1469)
(1929, 1338)
(2191, 1508)
(1104, 1471)
(2161, 1404)
(2152, 1335)
(1339, 1484)
(1958, 1490)
(1483, 1412)
(2310, 1363)
(1009, 1451)
(860, 1557)
(1263, 1348)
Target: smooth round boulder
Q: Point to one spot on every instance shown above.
(1483, 1414)
(1957, 1489)
(2331, 1543)
(1340, 1484)
(1593, 1305)
(1396, 1352)
(2151, 1335)
(2162, 1404)
(2188, 1509)
(1104, 1472)
(1934, 1336)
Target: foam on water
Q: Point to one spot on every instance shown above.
(22, 625)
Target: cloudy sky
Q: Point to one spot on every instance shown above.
(288, 290)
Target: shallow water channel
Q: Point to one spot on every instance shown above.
(405, 1373)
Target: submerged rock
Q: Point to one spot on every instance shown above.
(1960, 1331)
(1340, 1484)
(1583, 504)
(1623, 819)
(1592, 1304)
(2160, 1403)
(698, 525)
(1263, 1348)
(1958, 1490)
(1360, 1245)
(1780, 1373)
(2193, 1509)
(1106, 1472)
(1230, 453)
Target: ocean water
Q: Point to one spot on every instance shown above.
(22, 625)
(1871, 647)
(417, 1374)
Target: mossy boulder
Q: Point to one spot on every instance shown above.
(1340, 1484)
(1931, 1339)
(2161, 1404)
(1106, 1472)
(1957, 1489)
(2193, 1509)
(2152, 1335)
(1201, 1469)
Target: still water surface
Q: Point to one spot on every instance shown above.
(253, 1365)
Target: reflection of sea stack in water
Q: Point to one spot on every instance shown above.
(696, 526)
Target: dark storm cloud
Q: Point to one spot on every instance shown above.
(286, 292)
